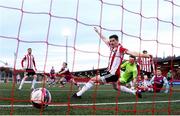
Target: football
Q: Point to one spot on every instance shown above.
(40, 98)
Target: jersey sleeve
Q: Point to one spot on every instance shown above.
(124, 64)
(123, 50)
(166, 84)
(152, 79)
(22, 61)
(165, 80)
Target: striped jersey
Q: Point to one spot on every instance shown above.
(29, 62)
(146, 64)
(115, 59)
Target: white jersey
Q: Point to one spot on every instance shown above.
(146, 83)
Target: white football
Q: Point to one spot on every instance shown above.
(40, 97)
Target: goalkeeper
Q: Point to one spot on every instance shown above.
(129, 74)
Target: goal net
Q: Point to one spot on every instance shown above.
(63, 31)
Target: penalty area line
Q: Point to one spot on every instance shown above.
(96, 104)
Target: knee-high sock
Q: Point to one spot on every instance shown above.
(22, 82)
(127, 90)
(86, 87)
(33, 83)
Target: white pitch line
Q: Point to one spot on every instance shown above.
(97, 104)
(55, 90)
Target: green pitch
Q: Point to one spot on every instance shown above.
(104, 101)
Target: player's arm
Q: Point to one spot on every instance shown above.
(34, 64)
(64, 71)
(101, 36)
(152, 80)
(124, 64)
(22, 62)
(166, 84)
(152, 65)
(137, 54)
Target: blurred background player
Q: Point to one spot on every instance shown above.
(18, 79)
(146, 65)
(29, 68)
(66, 76)
(52, 77)
(169, 77)
(158, 81)
(130, 74)
(145, 84)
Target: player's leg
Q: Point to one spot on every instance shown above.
(62, 82)
(22, 81)
(87, 86)
(57, 80)
(75, 83)
(34, 81)
(49, 81)
(121, 86)
(54, 81)
(103, 79)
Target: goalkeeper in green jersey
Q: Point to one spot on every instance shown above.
(129, 74)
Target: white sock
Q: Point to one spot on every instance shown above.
(33, 83)
(22, 82)
(86, 87)
(125, 89)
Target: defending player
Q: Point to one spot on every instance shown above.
(130, 74)
(66, 76)
(52, 77)
(115, 59)
(30, 68)
(145, 85)
(158, 81)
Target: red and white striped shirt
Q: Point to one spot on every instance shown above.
(115, 60)
(146, 64)
(30, 62)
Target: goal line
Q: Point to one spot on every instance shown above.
(97, 104)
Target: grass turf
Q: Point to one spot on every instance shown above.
(104, 96)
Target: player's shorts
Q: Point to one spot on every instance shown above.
(68, 78)
(30, 72)
(157, 87)
(107, 77)
(52, 76)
